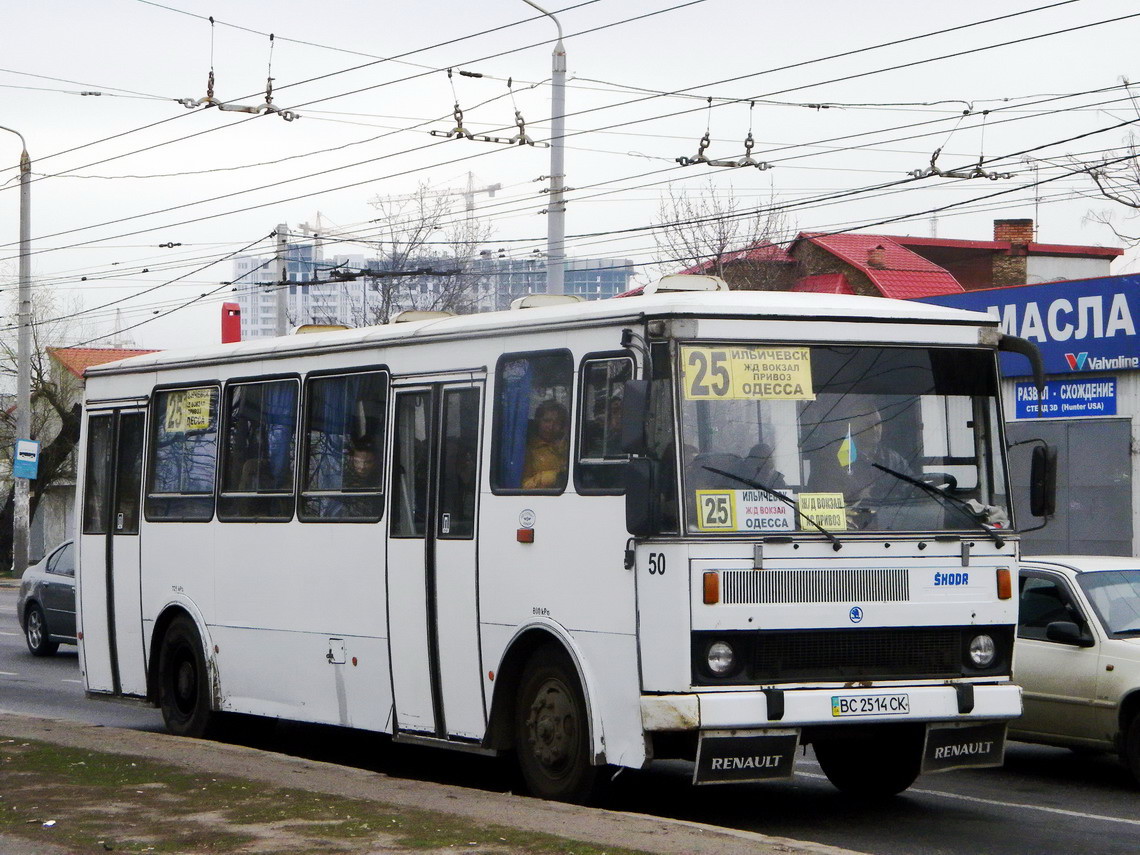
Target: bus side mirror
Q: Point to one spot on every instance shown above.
(634, 418)
(1043, 481)
(641, 497)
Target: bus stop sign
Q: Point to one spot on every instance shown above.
(27, 462)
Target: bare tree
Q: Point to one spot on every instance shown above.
(56, 409)
(424, 258)
(1117, 178)
(717, 233)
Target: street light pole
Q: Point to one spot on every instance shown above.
(21, 517)
(556, 210)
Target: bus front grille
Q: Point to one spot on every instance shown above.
(857, 654)
(857, 585)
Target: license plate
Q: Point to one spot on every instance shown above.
(849, 705)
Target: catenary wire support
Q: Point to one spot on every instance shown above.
(705, 141)
(976, 172)
(253, 109)
(461, 132)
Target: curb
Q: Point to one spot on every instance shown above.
(598, 826)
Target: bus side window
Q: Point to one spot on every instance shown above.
(97, 491)
(183, 453)
(600, 462)
(257, 462)
(531, 446)
(342, 473)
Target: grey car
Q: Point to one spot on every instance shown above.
(46, 606)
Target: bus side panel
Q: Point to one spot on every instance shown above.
(297, 603)
(572, 575)
(177, 562)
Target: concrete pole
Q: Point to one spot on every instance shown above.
(556, 210)
(21, 516)
(282, 279)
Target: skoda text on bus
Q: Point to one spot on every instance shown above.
(704, 524)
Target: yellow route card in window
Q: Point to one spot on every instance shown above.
(827, 510)
(747, 373)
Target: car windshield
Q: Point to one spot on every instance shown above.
(1115, 596)
(848, 438)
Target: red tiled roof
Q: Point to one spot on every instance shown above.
(1004, 245)
(824, 283)
(904, 275)
(767, 252)
(79, 359)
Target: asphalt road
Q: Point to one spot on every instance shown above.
(1043, 800)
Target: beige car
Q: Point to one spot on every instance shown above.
(1077, 655)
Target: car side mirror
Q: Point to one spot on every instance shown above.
(1043, 481)
(634, 417)
(641, 497)
(1067, 632)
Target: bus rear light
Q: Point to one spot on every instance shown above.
(1004, 584)
(712, 588)
(524, 535)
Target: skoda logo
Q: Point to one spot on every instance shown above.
(856, 614)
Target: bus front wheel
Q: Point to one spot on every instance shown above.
(552, 731)
(872, 764)
(184, 684)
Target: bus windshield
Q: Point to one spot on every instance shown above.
(790, 438)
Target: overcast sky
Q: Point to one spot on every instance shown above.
(130, 169)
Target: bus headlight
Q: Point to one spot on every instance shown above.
(982, 651)
(721, 658)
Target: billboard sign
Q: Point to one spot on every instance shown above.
(1080, 326)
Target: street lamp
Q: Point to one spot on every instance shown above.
(556, 210)
(20, 519)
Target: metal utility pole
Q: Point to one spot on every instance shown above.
(556, 210)
(21, 516)
(283, 279)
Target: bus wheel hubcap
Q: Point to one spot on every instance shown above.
(552, 726)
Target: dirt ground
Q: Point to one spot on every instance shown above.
(69, 788)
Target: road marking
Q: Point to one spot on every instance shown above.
(13, 634)
(9, 674)
(991, 802)
(71, 681)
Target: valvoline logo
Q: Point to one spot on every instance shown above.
(1076, 360)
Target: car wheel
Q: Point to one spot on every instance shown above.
(184, 681)
(552, 730)
(1132, 747)
(36, 632)
(872, 765)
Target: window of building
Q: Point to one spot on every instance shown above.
(601, 463)
(184, 449)
(342, 476)
(257, 463)
(531, 448)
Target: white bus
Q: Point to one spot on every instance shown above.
(686, 524)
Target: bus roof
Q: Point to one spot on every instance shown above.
(767, 305)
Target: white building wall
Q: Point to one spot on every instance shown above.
(1053, 268)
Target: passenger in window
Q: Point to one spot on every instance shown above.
(362, 470)
(546, 451)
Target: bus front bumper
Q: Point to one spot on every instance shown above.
(754, 735)
(783, 708)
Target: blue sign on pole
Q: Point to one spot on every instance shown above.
(1080, 326)
(27, 460)
(1064, 399)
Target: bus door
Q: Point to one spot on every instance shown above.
(109, 571)
(433, 616)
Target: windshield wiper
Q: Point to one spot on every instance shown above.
(951, 501)
(771, 492)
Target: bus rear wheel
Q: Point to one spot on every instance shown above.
(184, 684)
(552, 731)
(872, 764)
